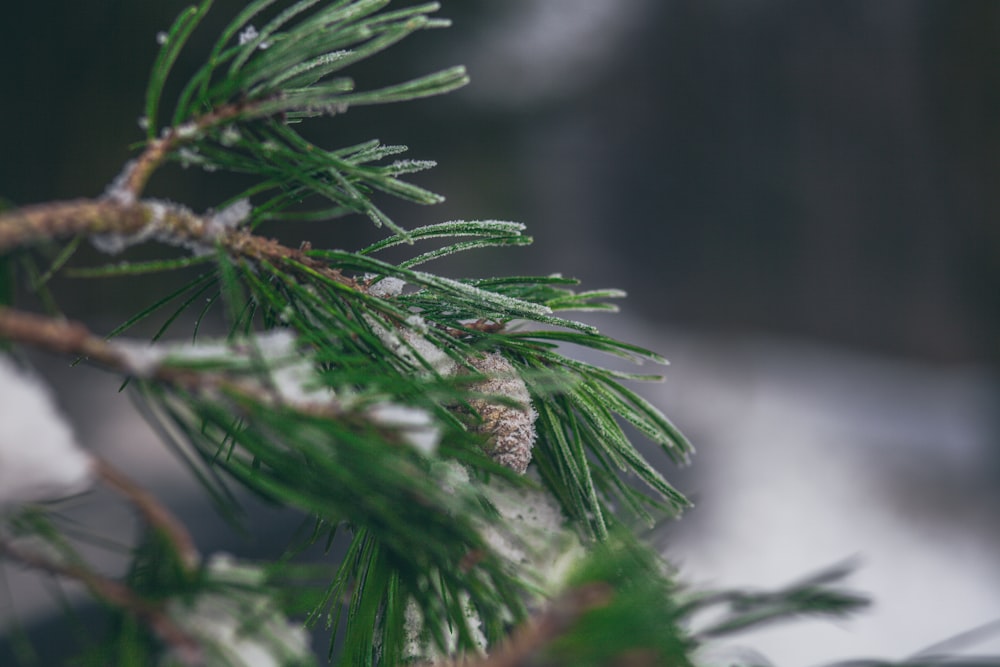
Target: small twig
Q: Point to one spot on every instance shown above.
(138, 171)
(114, 593)
(63, 219)
(55, 220)
(482, 325)
(73, 338)
(57, 335)
(155, 514)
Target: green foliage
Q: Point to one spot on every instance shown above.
(817, 595)
(236, 111)
(642, 599)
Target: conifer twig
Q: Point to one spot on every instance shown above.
(58, 335)
(152, 510)
(114, 593)
(55, 220)
(137, 172)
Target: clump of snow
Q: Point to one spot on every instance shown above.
(163, 219)
(416, 427)
(140, 359)
(418, 647)
(417, 323)
(293, 375)
(230, 136)
(228, 218)
(249, 34)
(188, 157)
(188, 130)
(533, 534)
(239, 625)
(39, 456)
(117, 191)
(412, 347)
(386, 288)
(114, 243)
(288, 374)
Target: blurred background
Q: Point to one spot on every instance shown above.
(801, 199)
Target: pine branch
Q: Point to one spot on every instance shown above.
(350, 386)
(113, 593)
(116, 225)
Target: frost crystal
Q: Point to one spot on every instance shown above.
(249, 34)
(39, 457)
(187, 130)
(161, 38)
(416, 427)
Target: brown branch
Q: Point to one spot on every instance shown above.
(73, 338)
(55, 220)
(137, 172)
(162, 220)
(114, 593)
(61, 336)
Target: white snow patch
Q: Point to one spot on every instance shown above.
(228, 218)
(188, 130)
(533, 534)
(117, 192)
(203, 234)
(416, 426)
(408, 345)
(290, 373)
(387, 287)
(39, 456)
(240, 626)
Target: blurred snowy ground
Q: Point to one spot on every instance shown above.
(807, 456)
